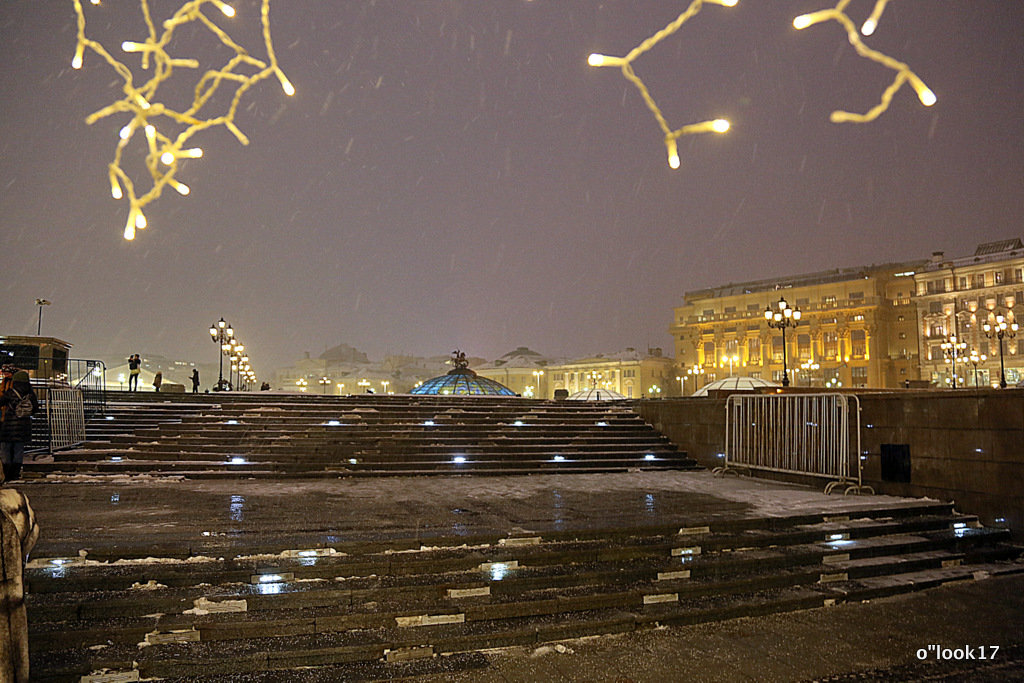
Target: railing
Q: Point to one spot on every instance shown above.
(805, 434)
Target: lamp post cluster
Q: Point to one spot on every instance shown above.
(780, 319)
(239, 369)
(1001, 329)
(953, 351)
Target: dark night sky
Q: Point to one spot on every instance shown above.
(452, 174)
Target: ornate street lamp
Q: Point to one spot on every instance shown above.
(1001, 329)
(301, 383)
(537, 374)
(222, 334)
(974, 360)
(781, 319)
(953, 351)
(696, 371)
(735, 358)
(325, 382)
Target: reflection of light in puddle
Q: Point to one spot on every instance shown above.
(116, 458)
(559, 522)
(649, 503)
(498, 571)
(649, 456)
(459, 459)
(352, 461)
(270, 588)
(237, 505)
(518, 423)
(109, 417)
(559, 458)
(231, 422)
(428, 423)
(602, 424)
(840, 544)
(237, 461)
(115, 498)
(333, 423)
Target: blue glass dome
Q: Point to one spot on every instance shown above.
(462, 382)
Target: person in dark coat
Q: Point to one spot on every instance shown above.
(195, 380)
(15, 431)
(134, 368)
(158, 379)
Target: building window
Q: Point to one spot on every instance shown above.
(777, 376)
(903, 335)
(978, 281)
(753, 307)
(803, 346)
(803, 302)
(859, 375)
(730, 309)
(709, 313)
(997, 277)
(858, 340)
(937, 330)
(754, 351)
(830, 344)
(963, 282)
(755, 375)
(709, 353)
(859, 318)
(732, 347)
(856, 296)
(900, 318)
(935, 307)
(558, 376)
(777, 349)
(829, 301)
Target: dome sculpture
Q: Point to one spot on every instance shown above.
(461, 381)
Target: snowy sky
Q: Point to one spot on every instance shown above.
(452, 174)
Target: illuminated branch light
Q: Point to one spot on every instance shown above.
(903, 72)
(626, 65)
(140, 101)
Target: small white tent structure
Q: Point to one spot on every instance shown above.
(597, 395)
(734, 384)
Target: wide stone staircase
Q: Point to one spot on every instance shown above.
(259, 435)
(298, 605)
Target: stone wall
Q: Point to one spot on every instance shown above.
(966, 446)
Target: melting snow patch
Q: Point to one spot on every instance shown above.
(150, 585)
(548, 649)
(204, 606)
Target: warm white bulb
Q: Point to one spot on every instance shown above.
(802, 21)
(869, 27)
(595, 59)
(167, 158)
(719, 125)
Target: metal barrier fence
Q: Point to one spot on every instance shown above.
(807, 434)
(65, 414)
(50, 374)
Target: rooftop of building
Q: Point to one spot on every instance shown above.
(986, 252)
(804, 280)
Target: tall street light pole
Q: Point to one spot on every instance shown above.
(221, 333)
(999, 330)
(40, 303)
(780, 319)
(953, 350)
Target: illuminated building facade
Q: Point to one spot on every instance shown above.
(857, 328)
(955, 298)
(630, 372)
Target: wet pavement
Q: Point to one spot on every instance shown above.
(868, 641)
(82, 512)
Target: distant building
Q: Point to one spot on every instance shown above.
(629, 372)
(955, 297)
(523, 371)
(858, 329)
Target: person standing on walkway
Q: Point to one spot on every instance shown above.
(158, 379)
(195, 380)
(17, 405)
(134, 366)
(18, 534)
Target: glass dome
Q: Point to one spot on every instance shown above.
(462, 382)
(597, 395)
